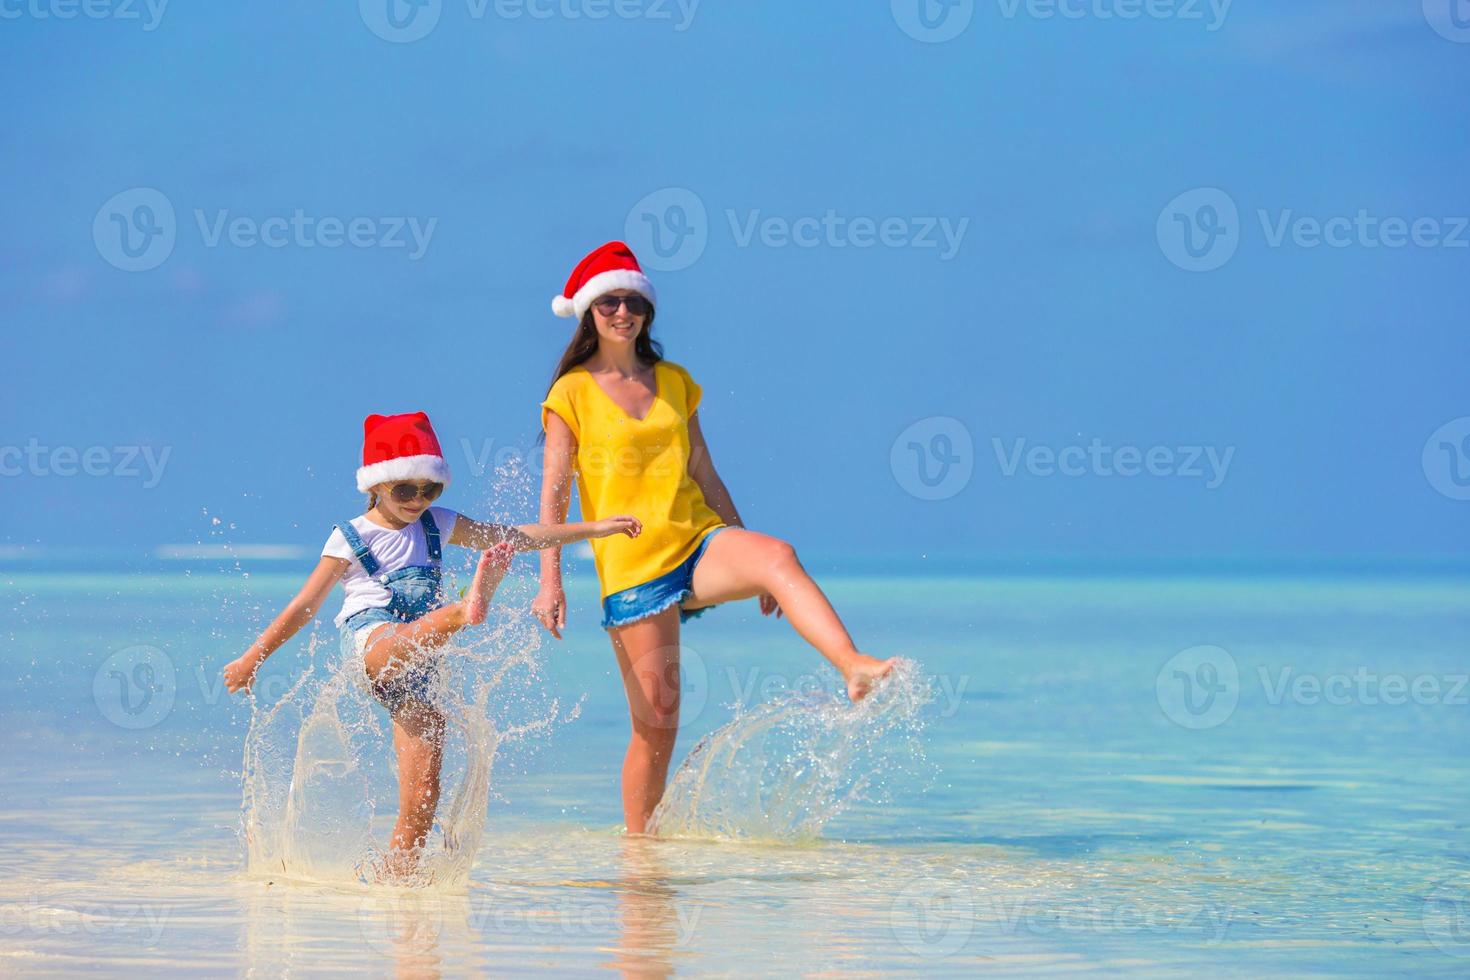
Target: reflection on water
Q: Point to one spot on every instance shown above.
(652, 929)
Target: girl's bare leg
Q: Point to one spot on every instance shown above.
(741, 564)
(391, 648)
(418, 729)
(648, 656)
(418, 739)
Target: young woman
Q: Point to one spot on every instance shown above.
(395, 617)
(623, 421)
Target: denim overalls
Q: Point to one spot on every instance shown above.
(414, 591)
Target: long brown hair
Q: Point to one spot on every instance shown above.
(584, 345)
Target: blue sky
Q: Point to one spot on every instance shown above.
(903, 260)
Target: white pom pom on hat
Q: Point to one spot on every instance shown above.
(612, 266)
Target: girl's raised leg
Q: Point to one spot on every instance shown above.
(391, 648)
(648, 656)
(741, 564)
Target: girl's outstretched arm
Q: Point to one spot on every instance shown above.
(298, 612)
(532, 537)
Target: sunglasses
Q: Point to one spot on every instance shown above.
(608, 305)
(405, 492)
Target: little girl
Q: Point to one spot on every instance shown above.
(395, 616)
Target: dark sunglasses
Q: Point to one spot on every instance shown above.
(608, 305)
(404, 493)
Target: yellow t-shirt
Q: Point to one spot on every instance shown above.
(639, 467)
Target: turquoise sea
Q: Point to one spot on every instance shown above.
(1171, 772)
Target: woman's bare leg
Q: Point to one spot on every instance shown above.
(741, 564)
(648, 656)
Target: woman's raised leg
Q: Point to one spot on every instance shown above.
(741, 564)
(648, 656)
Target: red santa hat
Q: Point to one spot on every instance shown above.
(400, 447)
(613, 266)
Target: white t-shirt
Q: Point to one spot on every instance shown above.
(392, 549)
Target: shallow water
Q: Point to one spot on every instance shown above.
(1096, 791)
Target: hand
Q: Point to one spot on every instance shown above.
(240, 674)
(631, 526)
(770, 605)
(550, 608)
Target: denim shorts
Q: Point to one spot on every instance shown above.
(656, 595)
(407, 683)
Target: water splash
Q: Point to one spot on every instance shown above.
(320, 780)
(782, 770)
(320, 770)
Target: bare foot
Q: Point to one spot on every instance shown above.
(864, 672)
(494, 561)
(397, 867)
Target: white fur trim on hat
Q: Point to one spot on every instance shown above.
(603, 282)
(427, 467)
